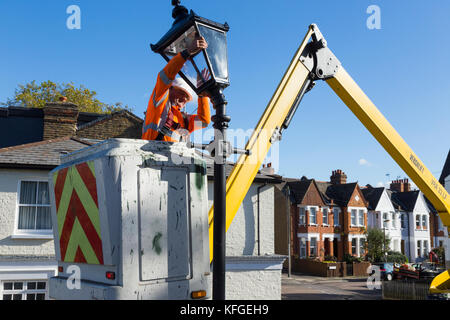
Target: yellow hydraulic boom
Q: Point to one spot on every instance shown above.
(314, 61)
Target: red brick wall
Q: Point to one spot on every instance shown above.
(318, 268)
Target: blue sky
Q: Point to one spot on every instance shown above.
(403, 67)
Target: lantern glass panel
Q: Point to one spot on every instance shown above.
(216, 51)
(195, 67)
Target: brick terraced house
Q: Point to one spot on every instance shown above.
(328, 218)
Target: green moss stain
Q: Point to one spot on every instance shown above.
(200, 172)
(155, 243)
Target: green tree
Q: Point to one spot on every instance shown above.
(33, 95)
(397, 257)
(375, 247)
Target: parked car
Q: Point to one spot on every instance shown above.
(386, 270)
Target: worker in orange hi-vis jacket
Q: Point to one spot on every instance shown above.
(165, 119)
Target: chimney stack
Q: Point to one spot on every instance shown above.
(338, 177)
(60, 120)
(268, 169)
(400, 185)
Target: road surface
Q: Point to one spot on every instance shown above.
(305, 287)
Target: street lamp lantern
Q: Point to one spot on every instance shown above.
(186, 28)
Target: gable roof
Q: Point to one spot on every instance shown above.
(41, 155)
(341, 193)
(406, 201)
(323, 187)
(298, 189)
(445, 171)
(372, 195)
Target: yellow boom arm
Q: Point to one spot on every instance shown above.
(314, 61)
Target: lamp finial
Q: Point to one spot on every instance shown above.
(179, 12)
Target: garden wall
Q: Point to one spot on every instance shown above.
(322, 269)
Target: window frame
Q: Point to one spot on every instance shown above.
(316, 209)
(355, 247)
(419, 248)
(24, 290)
(383, 221)
(361, 213)
(336, 214)
(351, 217)
(424, 222)
(325, 213)
(31, 233)
(315, 247)
(303, 246)
(419, 224)
(394, 220)
(300, 215)
(424, 248)
(361, 246)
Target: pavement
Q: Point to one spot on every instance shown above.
(307, 287)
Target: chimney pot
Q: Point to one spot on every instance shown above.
(338, 177)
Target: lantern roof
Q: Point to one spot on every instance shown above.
(182, 22)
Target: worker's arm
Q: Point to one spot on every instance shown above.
(202, 118)
(166, 76)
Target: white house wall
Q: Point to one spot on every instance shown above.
(421, 209)
(242, 235)
(393, 230)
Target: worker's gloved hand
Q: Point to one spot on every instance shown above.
(170, 123)
(195, 46)
(203, 77)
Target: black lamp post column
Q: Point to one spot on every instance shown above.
(220, 124)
